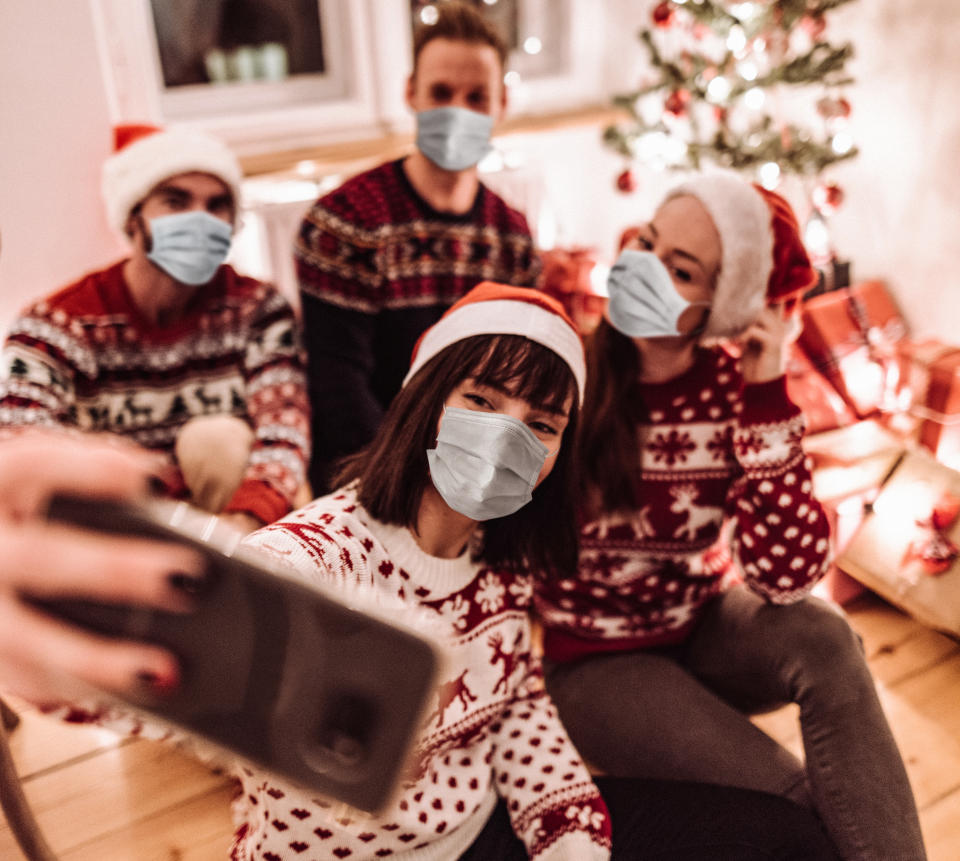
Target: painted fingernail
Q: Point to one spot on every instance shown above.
(156, 684)
(156, 485)
(188, 584)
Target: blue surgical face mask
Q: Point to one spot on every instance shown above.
(485, 465)
(454, 138)
(643, 301)
(189, 246)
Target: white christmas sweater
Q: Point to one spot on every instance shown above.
(719, 460)
(492, 732)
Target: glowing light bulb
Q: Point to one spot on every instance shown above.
(842, 143)
(747, 70)
(490, 2)
(816, 238)
(770, 175)
(429, 15)
(598, 279)
(306, 167)
(746, 12)
(718, 90)
(737, 40)
(754, 98)
(512, 78)
(532, 45)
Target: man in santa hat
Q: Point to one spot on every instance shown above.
(169, 347)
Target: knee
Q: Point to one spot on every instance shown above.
(818, 634)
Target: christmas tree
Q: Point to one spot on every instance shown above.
(752, 86)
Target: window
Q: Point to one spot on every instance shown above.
(262, 73)
(282, 75)
(227, 41)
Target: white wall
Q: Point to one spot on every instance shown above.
(54, 134)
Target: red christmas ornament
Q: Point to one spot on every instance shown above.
(676, 103)
(720, 114)
(627, 181)
(815, 25)
(831, 109)
(828, 197)
(663, 14)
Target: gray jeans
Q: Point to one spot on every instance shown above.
(680, 713)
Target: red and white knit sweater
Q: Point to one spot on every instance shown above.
(720, 460)
(493, 730)
(85, 358)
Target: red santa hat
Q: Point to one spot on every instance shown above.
(762, 259)
(145, 155)
(499, 309)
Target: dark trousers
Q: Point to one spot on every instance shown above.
(663, 820)
(683, 714)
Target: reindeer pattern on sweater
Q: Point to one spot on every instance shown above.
(726, 495)
(490, 731)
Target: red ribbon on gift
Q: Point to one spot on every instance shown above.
(933, 549)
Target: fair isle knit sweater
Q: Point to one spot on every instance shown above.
(377, 265)
(85, 358)
(492, 731)
(726, 493)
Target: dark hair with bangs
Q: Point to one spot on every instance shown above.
(393, 471)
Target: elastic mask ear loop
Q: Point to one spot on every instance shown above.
(702, 325)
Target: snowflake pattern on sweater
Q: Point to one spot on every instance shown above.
(374, 244)
(491, 729)
(724, 478)
(84, 358)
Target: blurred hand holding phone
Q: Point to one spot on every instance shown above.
(297, 680)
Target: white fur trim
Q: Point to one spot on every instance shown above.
(744, 222)
(505, 317)
(130, 174)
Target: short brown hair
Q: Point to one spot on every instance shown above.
(460, 22)
(393, 471)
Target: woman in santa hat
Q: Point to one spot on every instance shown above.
(701, 539)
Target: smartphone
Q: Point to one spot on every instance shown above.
(290, 678)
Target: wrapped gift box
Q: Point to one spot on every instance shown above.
(821, 404)
(852, 459)
(851, 336)
(935, 386)
(850, 464)
(906, 547)
(845, 516)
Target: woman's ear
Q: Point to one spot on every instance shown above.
(409, 93)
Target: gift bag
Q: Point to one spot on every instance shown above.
(907, 547)
(851, 337)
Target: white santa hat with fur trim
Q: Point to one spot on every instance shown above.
(501, 309)
(146, 155)
(762, 259)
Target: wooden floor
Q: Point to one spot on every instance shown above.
(100, 798)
